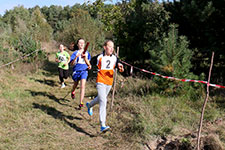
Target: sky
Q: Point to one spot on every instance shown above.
(10, 4)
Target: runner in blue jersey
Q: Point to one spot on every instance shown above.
(81, 64)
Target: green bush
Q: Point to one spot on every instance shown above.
(82, 26)
(40, 29)
(7, 55)
(173, 58)
(26, 45)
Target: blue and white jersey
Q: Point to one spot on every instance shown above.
(80, 63)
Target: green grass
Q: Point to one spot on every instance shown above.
(36, 114)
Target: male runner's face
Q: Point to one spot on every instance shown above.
(81, 44)
(109, 48)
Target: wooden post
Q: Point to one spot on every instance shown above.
(114, 82)
(204, 105)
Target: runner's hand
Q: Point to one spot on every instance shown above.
(78, 55)
(120, 66)
(89, 67)
(83, 55)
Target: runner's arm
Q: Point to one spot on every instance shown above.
(56, 59)
(72, 61)
(68, 60)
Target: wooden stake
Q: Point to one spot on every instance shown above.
(114, 82)
(204, 105)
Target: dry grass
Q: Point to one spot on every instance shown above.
(36, 114)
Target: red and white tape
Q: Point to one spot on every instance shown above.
(173, 78)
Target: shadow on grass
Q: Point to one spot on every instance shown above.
(47, 82)
(51, 68)
(50, 96)
(91, 95)
(59, 115)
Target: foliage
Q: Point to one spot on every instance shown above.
(26, 45)
(143, 25)
(14, 16)
(108, 14)
(7, 55)
(5, 31)
(202, 22)
(173, 58)
(52, 15)
(22, 30)
(82, 25)
(41, 30)
(58, 16)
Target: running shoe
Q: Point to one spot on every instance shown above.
(81, 105)
(104, 128)
(73, 95)
(63, 85)
(90, 110)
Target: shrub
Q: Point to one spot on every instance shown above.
(173, 58)
(82, 26)
(7, 55)
(26, 45)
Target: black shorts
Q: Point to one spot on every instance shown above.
(63, 73)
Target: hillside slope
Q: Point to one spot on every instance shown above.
(36, 114)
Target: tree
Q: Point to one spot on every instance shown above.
(143, 25)
(108, 14)
(14, 16)
(41, 30)
(202, 22)
(173, 58)
(82, 26)
(52, 14)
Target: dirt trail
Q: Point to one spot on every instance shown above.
(37, 114)
(86, 128)
(80, 129)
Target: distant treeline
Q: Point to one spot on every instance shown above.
(174, 38)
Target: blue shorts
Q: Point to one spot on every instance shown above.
(78, 75)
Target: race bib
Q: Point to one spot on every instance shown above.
(62, 58)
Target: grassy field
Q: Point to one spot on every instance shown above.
(36, 114)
